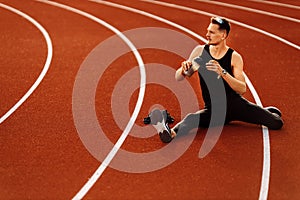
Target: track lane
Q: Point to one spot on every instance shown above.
(151, 184)
(251, 9)
(42, 147)
(274, 3)
(288, 2)
(264, 6)
(215, 9)
(97, 174)
(15, 50)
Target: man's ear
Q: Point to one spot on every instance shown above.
(224, 35)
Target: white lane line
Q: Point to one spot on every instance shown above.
(263, 194)
(147, 14)
(251, 10)
(266, 142)
(46, 66)
(151, 16)
(88, 185)
(276, 37)
(277, 4)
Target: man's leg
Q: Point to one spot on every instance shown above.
(243, 110)
(193, 120)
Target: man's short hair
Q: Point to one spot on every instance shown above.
(223, 23)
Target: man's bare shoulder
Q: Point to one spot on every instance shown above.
(237, 61)
(236, 55)
(199, 48)
(197, 51)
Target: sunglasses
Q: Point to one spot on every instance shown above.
(219, 20)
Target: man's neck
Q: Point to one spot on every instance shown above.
(219, 50)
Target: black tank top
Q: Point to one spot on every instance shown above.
(210, 85)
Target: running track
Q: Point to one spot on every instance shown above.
(42, 155)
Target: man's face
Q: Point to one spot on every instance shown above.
(214, 35)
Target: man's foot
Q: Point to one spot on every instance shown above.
(274, 110)
(159, 119)
(167, 136)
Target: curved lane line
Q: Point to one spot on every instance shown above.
(88, 185)
(264, 188)
(266, 141)
(251, 10)
(277, 4)
(147, 14)
(46, 66)
(276, 37)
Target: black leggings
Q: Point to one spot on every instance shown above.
(239, 109)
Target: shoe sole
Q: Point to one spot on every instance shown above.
(159, 121)
(273, 109)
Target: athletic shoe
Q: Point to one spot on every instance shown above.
(170, 119)
(273, 109)
(159, 119)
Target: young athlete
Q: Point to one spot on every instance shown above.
(222, 82)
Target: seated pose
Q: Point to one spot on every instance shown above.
(222, 82)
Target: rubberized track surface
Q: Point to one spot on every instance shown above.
(42, 154)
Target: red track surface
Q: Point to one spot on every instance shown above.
(42, 156)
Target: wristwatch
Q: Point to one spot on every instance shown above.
(224, 72)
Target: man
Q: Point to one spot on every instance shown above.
(222, 82)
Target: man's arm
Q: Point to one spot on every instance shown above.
(237, 81)
(185, 65)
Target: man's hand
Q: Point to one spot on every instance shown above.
(214, 66)
(186, 68)
(186, 65)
